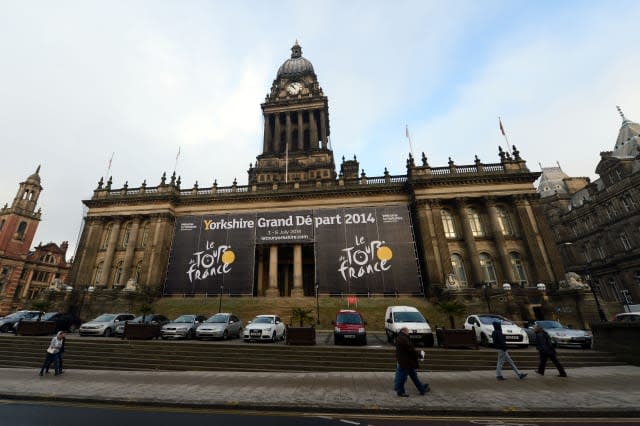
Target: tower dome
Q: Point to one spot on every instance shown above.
(297, 65)
(35, 177)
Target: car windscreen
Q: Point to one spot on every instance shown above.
(490, 320)
(105, 318)
(218, 318)
(48, 316)
(185, 318)
(549, 324)
(408, 317)
(262, 320)
(349, 319)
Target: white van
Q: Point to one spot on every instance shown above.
(398, 317)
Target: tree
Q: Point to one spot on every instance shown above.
(42, 306)
(452, 308)
(145, 309)
(302, 315)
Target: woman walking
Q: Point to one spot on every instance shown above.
(53, 353)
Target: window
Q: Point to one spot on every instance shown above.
(458, 269)
(126, 235)
(98, 273)
(145, 235)
(118, 273)
(625, 241)
(574, 229)
(448, 224)
(586, 252)
(107, 236)
(488, 272)
(637, 277)
(21, 230)
(504, 222)
(614, 290)
(628, 203)
(611, 210)
(601, 253)
(518, 269)
(474, 221)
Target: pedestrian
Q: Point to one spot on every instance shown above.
(500, 343)
(407, 356)
(52, 353)
(60, 355)
(547, 351)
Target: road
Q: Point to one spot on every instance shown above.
(22, 413)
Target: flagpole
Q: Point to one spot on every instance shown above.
(504, 133)
(175, 165)
(109, 165)
(406, 131)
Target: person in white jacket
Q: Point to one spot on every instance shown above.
(52, 353)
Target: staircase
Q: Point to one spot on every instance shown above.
(116, 354)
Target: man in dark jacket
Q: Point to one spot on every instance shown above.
(407, 357)
(500, 343)
(547, 351)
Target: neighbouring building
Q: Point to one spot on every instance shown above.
(597, 224)
(299, 226)
(25, 273)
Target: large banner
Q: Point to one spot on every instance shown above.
(365, 250)
(357, 250)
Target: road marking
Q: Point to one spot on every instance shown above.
(349, 422)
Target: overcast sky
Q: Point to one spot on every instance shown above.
(80, 80)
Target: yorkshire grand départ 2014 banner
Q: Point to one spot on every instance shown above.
(357, 250)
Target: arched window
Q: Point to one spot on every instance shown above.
(2, 224)
(504, 221)
(145, 235)
(518, 269)
(488, 271)
(474, 221)
(458, 269)
(448, 224)
(107, 236)
(21, 230)
(126, 235)
(118, 273)
(98, 274)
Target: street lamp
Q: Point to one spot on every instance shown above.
(317, 305)
(603, 317)
(507, 289)
(220, 299)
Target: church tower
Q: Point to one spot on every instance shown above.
(19, 222)
(296, 127)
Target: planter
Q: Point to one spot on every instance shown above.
(301, 335)
(456, 338)
(135, 331)
(36, 328)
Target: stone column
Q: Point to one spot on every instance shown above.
(498, 236)
(82, 268)
(260, 283)
(288, 131)
(470, 242)
(27, 285)
(300, 132)
(323, 129)
(266, 145)
(272, 288)
(297, 289)
(276, 134)
(532, 238)
(313, 130)
(111, 249)
(131, 248)
(431, 252)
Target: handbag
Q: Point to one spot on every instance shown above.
(51, 351)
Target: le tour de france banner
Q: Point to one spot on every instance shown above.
(357, 250)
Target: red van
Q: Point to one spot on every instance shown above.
(349, 327)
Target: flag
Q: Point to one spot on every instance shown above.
(501, 128)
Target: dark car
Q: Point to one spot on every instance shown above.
(7, 323)
(148, 319)
(64, 322)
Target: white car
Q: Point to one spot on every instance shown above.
(264, 327)
(220, 326)
(483, 326)
(104, 325)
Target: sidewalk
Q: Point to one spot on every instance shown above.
(592, 391)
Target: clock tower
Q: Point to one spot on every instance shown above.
(296, 127)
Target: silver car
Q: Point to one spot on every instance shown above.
(104, 325)
(220, 326)
(183, 327)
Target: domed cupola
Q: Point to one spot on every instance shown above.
(296, 66)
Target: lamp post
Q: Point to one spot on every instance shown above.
(317, 304)
(487, 295)
(587, 276)
(220, 299)
(507, 289)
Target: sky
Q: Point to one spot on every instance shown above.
(142, 80)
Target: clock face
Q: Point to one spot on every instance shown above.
(294, 88)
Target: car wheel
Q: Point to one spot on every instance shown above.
(225, 335)
(483, 340)
(189, 335)
(284, 335)
(239, 333)
(389, 337)
(107, 333)
(273, 337)
(364, 341)
(245, 340)
(336, 340)
(73, 328)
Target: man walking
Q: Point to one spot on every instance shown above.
(407, 357)
(547, 351)
(500, 343)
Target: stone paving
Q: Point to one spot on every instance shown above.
(591, 391)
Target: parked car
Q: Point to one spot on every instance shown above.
(398, 317)
(563, 336)
(183, 327)
(148, 319)
(349, 326)
(627, 317)
(220, 326)
(7, 323)
(64, 322)
(264, 327)
(104, 325)
(482, 325)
